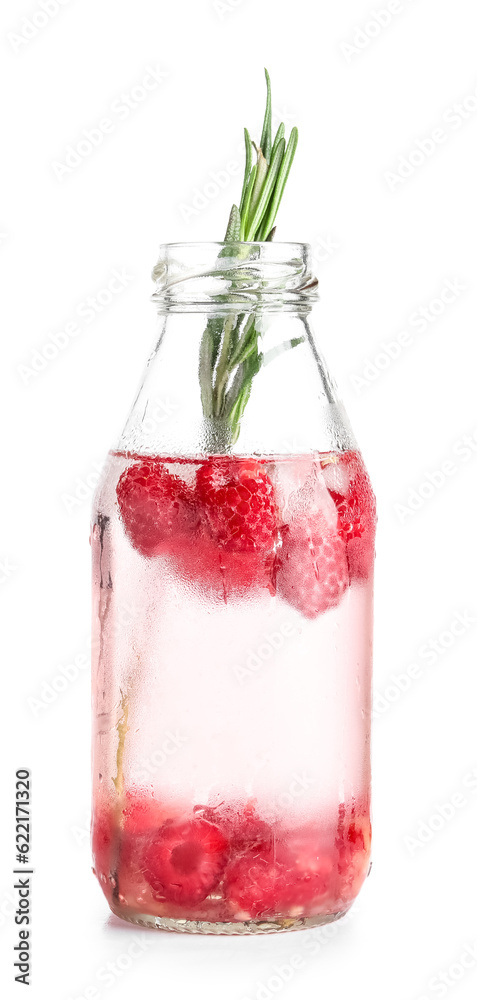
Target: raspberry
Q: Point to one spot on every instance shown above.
(155, 506)
(313, 852)
(138, 820)
(353, 843)
(290, 875)
(349, 487)
(241, 825)
(259, 883)
(238, 501)
(313, 573)
(185, 861)
(141, 819)
(239, 514)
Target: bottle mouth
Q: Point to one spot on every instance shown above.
(253, 275)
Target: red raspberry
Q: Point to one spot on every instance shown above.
(241, 825)
(238, 501)
(279, 876)
(353, 845)
(349, 486)
(141, 819)
(312, 849)
(313, 573)
(354, 829)
(236, 549)
(185, 861)
(155, 506)
(259, 883)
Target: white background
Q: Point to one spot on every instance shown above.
(392, 244)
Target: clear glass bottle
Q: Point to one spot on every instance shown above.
(233, 548)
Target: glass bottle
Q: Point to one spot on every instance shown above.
(233, 548)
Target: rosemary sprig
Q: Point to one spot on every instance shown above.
(263, 187)
(230, 356)
(122, 729)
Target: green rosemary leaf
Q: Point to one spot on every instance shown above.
(248, 166)
(262, 204)
(262, 169)
(274, 352)
(261, 235)
(247, 374)
(246, 204)
(222, 371)
(234, 336)
(247, 351)
(281, 180)
(266, 139)
(233, 229)
(236, 413)
(247, 335)
(245, 348)
(279, 135)
(207, 357)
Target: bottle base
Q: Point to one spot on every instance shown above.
(277, 926)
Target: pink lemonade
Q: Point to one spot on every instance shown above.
(231, 685)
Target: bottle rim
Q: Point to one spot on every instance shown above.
(260, 275)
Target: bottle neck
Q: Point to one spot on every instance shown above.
(236, 369)
(219, 279)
